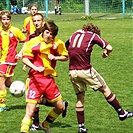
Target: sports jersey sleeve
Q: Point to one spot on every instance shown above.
(26, 22)
(21, 36)
(101, 42)
(61, 49)
(29, 26)
(27, 52)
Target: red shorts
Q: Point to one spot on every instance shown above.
(7, 70)
(42, 85)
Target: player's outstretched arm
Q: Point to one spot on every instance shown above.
(59, 58)
(107, 51)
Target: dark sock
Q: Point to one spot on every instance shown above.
(112, 100)
(36, 117)
(49, 104)
(80, 116)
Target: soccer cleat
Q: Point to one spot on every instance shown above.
(33, 127)
(126, 115)
(64, 112)
(46, 130)
(82, 130)
(2, 109)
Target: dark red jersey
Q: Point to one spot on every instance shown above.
(80, 48)
(35, 34)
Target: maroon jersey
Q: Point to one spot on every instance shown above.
(35, 34)
(80, 48)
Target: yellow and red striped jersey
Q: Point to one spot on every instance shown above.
(37, 51)
(9, 39)
(29, 26)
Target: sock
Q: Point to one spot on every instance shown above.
(80, 116)
(26, 122)
(3, 94)
(49, 104)
(112, 100)
(36, 117)
(49, 119)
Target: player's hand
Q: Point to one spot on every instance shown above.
(39, 69)
(24, 31)
(24, 67)
(51, 56)
(105, 55)
(18, 56)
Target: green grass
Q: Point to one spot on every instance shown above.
(100, 117)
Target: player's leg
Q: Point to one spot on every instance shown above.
(8, 71)
(52, 115)
(55, 9)
(3, 94)
(80, 112)
(30, 108)
(4, 82)
(45, 102)
(98, 83)
(60, 11)
(32, 98)
(79, 88)
(8, 82)
(113, 101)
(35, 124)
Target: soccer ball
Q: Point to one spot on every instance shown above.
(17, 88)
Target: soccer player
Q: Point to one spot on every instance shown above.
(9, 38)
(28, 26)
(38, 21)
(41, 54)
(82, 73)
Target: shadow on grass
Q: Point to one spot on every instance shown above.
(60, 124)
(17, 107)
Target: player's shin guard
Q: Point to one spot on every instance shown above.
(3, 94)
(50, 118)
(26, 122)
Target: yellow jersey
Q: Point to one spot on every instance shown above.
(29, 26)
(9, 39)
(36, 50)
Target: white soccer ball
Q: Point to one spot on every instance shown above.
(17, 88)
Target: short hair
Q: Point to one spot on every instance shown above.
(91, 27)
(5, 12)
(34, 5)
(38, 14)
(50, 26)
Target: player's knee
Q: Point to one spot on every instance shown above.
(105, 90)
(60, 108)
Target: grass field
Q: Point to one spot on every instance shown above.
(117, 71)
